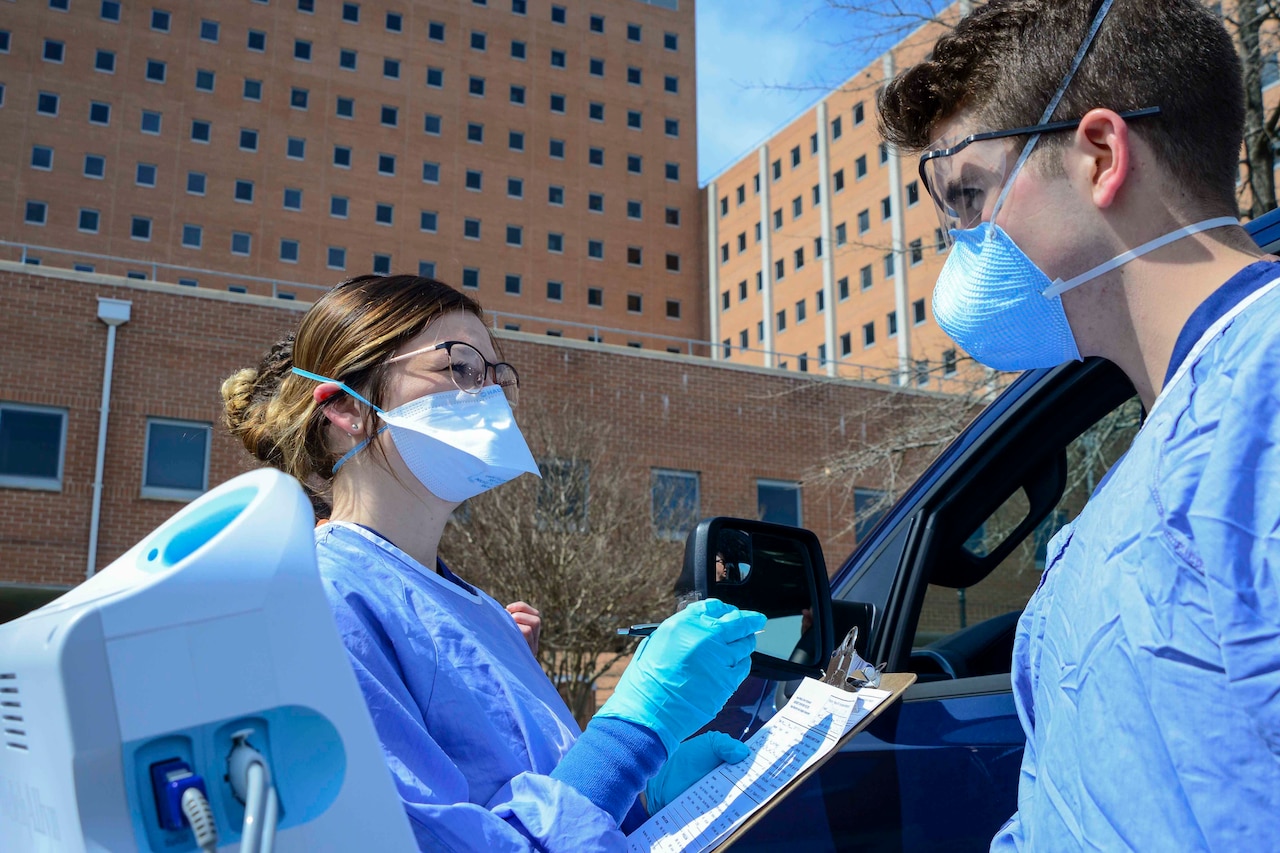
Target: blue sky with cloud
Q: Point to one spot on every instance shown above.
(761, 63)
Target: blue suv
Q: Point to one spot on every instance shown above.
(936, 588)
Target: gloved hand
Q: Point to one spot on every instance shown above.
(682, 675)
(692, 760)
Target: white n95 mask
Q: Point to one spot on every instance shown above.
(456, 444)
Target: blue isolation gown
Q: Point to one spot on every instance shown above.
(1146, 668)
(469, 724)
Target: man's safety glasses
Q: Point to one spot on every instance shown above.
(964, 188)
(469, 369)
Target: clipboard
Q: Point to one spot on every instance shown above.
(896, 683)
(716, 811)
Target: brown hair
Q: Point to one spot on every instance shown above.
(348, 335)
(1006, 60)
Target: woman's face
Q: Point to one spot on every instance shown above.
(428, 372)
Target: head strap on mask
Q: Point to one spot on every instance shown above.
(1054, 101)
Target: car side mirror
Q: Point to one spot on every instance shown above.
(776, 570)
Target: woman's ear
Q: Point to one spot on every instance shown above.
(342, 410)
(1104, 144)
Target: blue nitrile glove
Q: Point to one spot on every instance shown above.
(682, 675)
(692, 760)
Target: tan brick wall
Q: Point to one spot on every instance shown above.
(731, 424)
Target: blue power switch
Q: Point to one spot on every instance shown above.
(169, 779)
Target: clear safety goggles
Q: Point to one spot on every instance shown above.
(965, 180)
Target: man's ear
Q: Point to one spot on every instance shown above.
(1103, 146)
(342, 410)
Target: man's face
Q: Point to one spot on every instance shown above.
(722, 570)
(1039, 213)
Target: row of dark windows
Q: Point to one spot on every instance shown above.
(161, 20)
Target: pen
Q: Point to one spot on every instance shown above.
(642, 630)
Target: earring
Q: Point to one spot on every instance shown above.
(355, 427)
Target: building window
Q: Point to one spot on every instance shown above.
(673, 171)
(257, 41)
(88, 220)
(395, 22)
(42, 158)
(470, 278)
(555, 291)
(342, 156)
(595, 111)
(557, 15)
(474, 179)
(104, 61)
(427, 269)
(471, 229)
(298, 98)
(860, 167)
(336, 258)
(917, 251)
(635, 209)
(475, 85)
(156, 71)
(884, 153)
(555, 149)
(782, 320)
(384, 214)
(595, 156)
(391, 69)
(913, 193)
(846, 345)
(479, 41)
(209, 31)
(555, 195)
(241, 243)
(917, 312)
(864, 221)
(515, 236)
(672, 216)
(47, 104)
(795, 156)
(557, 59)
(295, 148)
(145, 175)
(842, 234)
(595, 297)
(429, 221)
(891, 324)
(886, 208)
(351, 13)
(864, 276)
(289, 251)
(140, 228)
(635, 256)
(32, 446)
(634, 75)
(799, 258)
(390, 116)
(797, 207)
(95, 166)
(292, 198)
(671, 84)
(252, 90)
(346, 108)
(475, 132)
(777, 219)
(347, 59)
(515, 187)
(192, 236)
(557, 104)
(635, 164)
(160, 20)
(515, 140)
(838, 180)
(673, 262)
(435, 31)
(778, 502)
(248, 140)
(555, 243)
(595, 202)
(176, 463)
(431, 124)
(595, 249)
(110, 10)
(196, 183)
(519, 50)
(888, 264)
(302, 50)
(868, 334)
(339, 206)
(511, 284)
(430, 172)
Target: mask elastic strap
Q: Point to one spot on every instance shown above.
(1053, 102)
(1060, 287)
(344, 386)
(353, 451)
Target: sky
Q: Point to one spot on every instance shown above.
(760, 64)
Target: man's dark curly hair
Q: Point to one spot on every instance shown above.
(1005, 60)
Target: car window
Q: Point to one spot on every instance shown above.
(969, 632)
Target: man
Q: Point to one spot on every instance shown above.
(1083, 156)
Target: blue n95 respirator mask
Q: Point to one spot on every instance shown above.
(456, 443)
(990, 298)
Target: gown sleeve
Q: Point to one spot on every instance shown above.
(532, 812)
(1234, 518)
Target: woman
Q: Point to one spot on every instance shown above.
(390, 398)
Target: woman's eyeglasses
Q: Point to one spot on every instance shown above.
(470, 370)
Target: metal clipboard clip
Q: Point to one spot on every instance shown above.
(847, 670)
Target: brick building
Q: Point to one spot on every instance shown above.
(742, 436)
(823, 247)
(540, 154)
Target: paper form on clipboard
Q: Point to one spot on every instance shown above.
(808, 728)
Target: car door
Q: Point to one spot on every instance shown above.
(936, 589)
